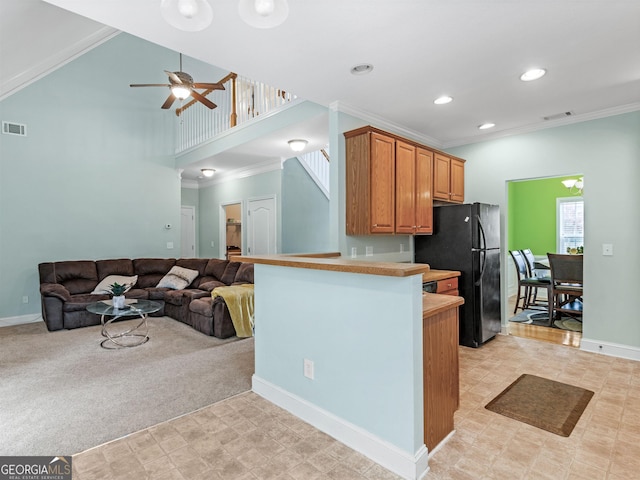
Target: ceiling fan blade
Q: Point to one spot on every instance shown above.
(209, 86)
(168, 102)
(173, 77)
(150, 85)
(202, 99)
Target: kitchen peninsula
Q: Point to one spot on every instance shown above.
(357, 350)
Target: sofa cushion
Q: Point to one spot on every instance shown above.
(199, 264)
(105, 284)
(230, 273)
(178, 278)
(80, 302)
(215, 268)
(244, 274)
(121, 266)
(156, 293)
(79, 276)
(202, 306)
(151, 270)
(210, 285)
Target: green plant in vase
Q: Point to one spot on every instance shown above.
(117, 290)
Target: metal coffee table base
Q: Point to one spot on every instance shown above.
(136, 335)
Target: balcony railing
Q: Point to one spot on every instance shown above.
(240, 101)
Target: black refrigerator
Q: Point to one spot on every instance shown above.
(467, 238)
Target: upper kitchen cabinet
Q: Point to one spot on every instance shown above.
(370, 182)
(448, 178)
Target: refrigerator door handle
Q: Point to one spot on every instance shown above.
(483, 262)
(484, 238)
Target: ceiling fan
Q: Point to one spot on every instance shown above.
(182, 86)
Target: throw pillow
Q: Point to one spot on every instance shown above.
(103, 287)
(178, 278)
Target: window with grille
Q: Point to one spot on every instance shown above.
(570, 228)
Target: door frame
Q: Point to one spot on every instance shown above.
(222, 227)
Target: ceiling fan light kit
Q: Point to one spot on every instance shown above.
(263, 13)
(187, 15)
(180, 92)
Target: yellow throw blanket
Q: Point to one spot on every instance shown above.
(239, 300)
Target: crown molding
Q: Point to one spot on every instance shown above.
(584, 117)
(245, 172)
(54, 62)
(384, 124)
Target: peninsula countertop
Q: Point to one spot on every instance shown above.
(338, 264)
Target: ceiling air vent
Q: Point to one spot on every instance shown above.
(558, 116)
(10, 128)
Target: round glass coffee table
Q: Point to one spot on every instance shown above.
(134, 336)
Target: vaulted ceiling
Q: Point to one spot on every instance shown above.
(474, 51)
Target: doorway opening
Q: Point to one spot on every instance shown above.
(533, 223)
(231, 229)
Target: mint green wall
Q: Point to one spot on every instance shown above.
(234, 191)
(606, 151)
(532, 213)
(305, 211)
(191, 197)
(95, 176)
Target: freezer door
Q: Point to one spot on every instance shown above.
(487, 295)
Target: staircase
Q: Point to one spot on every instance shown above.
(317, 166)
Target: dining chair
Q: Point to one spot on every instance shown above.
(566, 279)
(535, 269)
(527, 284)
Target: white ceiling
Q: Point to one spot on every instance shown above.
(473, 50)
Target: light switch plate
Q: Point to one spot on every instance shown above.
(607, 249)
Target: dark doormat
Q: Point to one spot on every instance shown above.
(552, 406)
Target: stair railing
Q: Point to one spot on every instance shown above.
(317, 166)
(241, 100)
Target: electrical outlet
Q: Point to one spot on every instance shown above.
(25, 299)
(213, 244)
(401, 247)
(169, 245)
(354, 252)
(308, 368)
(607, 249)
(369, 251)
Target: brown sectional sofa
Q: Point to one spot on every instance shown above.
(65, 290)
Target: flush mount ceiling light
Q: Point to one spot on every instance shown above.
(208, 172)
(362, 69)
(484, 126)
(533, 74)
(187, 15)
(297, 145)
(444, 99)
(263, 13)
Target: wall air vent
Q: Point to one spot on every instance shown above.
(558, 116)
(11, 128)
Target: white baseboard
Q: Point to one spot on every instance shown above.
(19, 320)
(410, 467)
(611, 349)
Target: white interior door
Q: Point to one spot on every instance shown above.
(261, 226)
(187, 232)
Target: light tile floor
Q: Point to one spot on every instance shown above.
(248, 438)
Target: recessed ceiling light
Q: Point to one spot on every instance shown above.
(484, 126)
(362, 69)
(533, 74)
(443, 100)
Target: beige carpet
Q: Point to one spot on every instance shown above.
(553, 406)
(61, 393)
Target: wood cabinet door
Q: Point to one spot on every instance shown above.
(441, 171)
(405, 188)
(383, 185)
(424, 182)
(457, 181)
